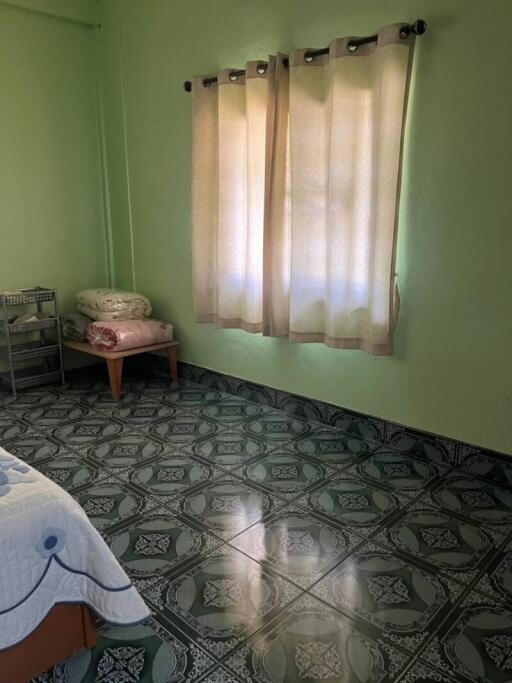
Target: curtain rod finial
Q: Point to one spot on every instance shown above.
(419, 27)
(187, 86)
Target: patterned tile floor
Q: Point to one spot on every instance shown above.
(275, 549)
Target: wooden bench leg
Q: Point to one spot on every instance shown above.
(115, 374)
(173, 363)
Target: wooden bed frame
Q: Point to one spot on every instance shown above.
(66, 629)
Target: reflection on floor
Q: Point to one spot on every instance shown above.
(271, 548)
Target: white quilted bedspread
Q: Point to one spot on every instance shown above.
(50, 553)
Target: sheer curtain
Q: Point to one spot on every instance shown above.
(296, 178)
(228, 183)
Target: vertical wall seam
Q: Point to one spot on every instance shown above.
(104, 168)
(125, 140)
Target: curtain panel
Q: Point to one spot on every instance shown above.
(295, 194)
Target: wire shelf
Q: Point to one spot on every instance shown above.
(39, 359)
(43, 324)
(32, 295)
(23, 381)
(31, 351)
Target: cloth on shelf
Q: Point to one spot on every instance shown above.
(120, 335)
(74, 326)
(113, 304)
(30, 317)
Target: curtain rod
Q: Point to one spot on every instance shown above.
(418, 28)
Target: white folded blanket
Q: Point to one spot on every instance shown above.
(113, 304)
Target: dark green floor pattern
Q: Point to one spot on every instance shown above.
(275, 549)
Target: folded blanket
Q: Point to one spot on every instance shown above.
(74, 326)
(113, 304)
(128, 334)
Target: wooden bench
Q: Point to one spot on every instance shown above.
(114, 360)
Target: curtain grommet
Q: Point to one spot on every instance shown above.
(308, 57)
(206, 84)
(261, 68)
(233, 76)
(352, 47)
(404, 31)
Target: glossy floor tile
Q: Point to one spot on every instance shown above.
(275, 539)
(285, 474)
(297, 545)
(311, 641)
(146, 653)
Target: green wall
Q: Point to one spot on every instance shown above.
(451, 373)
(52, 222)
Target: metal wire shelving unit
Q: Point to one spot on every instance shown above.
(36, 361)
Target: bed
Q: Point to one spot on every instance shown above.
(57, 575)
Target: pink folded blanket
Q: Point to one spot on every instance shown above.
(120, 335)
